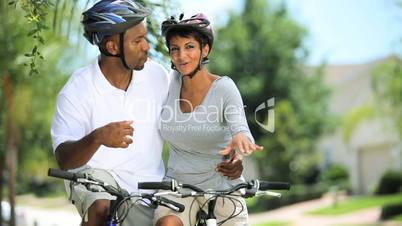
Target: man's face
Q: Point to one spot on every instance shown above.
(136, 46)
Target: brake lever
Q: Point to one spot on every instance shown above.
(253, 189)
(270, 193)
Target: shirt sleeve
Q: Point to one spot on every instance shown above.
(233, 110)
(68, 121)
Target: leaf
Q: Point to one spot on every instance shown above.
(32, 32)
(34, 50)
(41, 40)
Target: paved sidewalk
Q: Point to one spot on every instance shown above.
(51, 217)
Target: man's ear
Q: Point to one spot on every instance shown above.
(111, 46)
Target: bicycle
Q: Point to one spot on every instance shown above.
(122, 196)
(246, 190)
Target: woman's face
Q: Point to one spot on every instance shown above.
(185, 53)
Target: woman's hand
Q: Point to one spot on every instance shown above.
(241, 144)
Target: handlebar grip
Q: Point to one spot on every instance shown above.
(165, 202)
(64, 174)
(164, 185)
(266, 185)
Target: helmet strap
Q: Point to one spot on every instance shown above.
(200, 62)
(123, 60)
(121, 54)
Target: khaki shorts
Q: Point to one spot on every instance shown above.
(82, 199)
(223, 209)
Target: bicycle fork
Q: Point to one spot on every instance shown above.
(208, 219)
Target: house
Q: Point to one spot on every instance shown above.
(372, 147)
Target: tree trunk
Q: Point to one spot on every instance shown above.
(11, 160)
(10, 145)
(1, 184)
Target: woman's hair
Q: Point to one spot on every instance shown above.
(186, 32)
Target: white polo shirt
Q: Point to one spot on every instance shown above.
(88, 101)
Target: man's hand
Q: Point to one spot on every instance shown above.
(241, 144)
(231, 167)
(115, 134)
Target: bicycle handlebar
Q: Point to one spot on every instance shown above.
(164, 185)
(120, 193)
(267, 185)
(252, 186)
(65, 174)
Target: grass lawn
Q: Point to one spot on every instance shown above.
(397, 218)
(358, 203)
(274, 223)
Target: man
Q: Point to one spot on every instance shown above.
(107, 115)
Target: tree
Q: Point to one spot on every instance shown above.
(26, 99)
(37, 13)
(387, 80)
(9, 75)
(261, 49)
(28, 94)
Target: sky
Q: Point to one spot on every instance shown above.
(340, 31)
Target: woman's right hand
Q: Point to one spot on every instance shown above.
(241, 144)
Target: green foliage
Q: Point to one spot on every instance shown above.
(35, 14)
(38, 99)
(353, 118)
(390, 183)
(66, 15)
(32, 96)
(336, 175)
(387, 82)
(397, 218)
(390, 211)
(261, 50)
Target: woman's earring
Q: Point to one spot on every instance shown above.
(172, 66)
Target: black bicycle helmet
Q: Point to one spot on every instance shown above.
(109, 17)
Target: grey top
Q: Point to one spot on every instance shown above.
(195, 138)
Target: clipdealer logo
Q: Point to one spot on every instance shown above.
(269, 125)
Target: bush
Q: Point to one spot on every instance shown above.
(42, 188)
(336, 175)
(390, 211)
(390, 183)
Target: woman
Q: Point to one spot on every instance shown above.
(203, 119)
